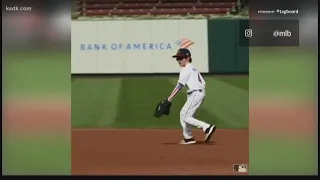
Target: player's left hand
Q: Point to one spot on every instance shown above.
(163, 108)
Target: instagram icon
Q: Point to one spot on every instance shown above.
(248, 33)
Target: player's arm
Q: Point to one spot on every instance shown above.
(183, 78)
(175, 91)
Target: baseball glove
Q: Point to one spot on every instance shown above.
(163, 108)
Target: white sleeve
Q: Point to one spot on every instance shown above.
(184, 77)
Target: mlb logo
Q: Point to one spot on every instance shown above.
(240, 168)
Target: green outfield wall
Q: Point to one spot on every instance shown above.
(225, 53)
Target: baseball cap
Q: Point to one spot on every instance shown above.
(183, 52)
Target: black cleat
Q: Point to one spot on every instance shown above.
(209, 131)
(188, 141)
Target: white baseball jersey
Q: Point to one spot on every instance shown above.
(192, 78)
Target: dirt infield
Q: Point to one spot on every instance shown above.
(28, 117)
(283, 117)
(156, 152)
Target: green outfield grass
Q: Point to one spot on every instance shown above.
(40, 154)
(37, 72)
(129, 102)
(274, 155)
(286, 71)
(284, 75)
(37, 77)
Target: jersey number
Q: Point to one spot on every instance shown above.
(199, 78)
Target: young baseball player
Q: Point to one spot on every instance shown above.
(192, 79)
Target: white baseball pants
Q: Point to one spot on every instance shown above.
(187, 112)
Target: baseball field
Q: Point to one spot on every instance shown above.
(114, 131)
(36, 119)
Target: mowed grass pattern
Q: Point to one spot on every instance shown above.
(94, 101)
(129, 102)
